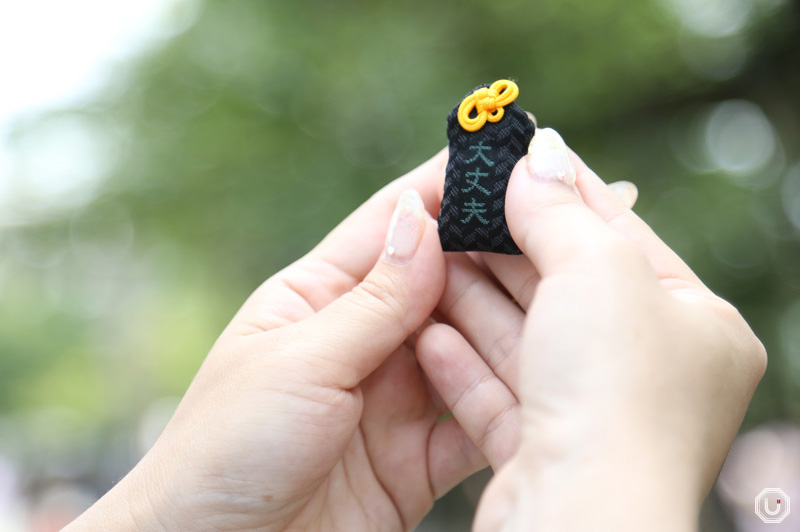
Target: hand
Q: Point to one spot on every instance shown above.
(471, 355)
(634, 377)
(310, 412)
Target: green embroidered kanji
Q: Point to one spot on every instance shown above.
(474, 182)
(475, 209)
(479, 148)
(486, 137)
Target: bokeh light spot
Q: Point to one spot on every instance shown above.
(739, 139)
(712, 18)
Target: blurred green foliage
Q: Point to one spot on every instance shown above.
(235, 146)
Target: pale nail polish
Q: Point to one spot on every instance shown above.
(626, 192)
(406, 228)
(548, 158)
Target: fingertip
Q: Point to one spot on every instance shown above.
(626, 192)
(545, 213)
(531, 201)
(438, 348)
(430, 342)
(549, 159)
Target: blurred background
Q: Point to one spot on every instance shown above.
(160, 158)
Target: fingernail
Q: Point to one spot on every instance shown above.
(626, 192)
(548, 158)
(405, 229)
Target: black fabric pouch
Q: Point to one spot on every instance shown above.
(473, 217)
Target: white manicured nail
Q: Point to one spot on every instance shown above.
(548, 158)
(406, 228)
(626, 192)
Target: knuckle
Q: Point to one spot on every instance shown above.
(503, 347)
(753, 349)
(528, 288)
(614, 250)
(748, 348)
(469, 391)
(380, 296)
(760, 358)
(622, 250)
(502, 419)
(624, 221)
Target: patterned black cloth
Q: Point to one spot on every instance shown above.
(473, 208)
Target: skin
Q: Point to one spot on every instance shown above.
(618, 391)
(311, 412)
(318, 408)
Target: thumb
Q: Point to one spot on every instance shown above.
(546, 217)
(349, 338)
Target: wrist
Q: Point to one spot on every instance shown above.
(133, 504)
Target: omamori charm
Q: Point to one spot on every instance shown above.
(487, 134)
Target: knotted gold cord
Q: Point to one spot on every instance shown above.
(488, 103)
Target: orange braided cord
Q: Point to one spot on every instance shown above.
(488, 103)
